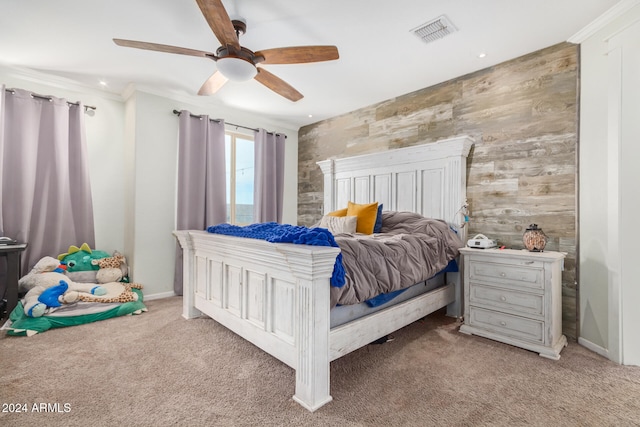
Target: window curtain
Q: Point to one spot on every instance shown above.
(44, 182)
(269, 176)
(201, 198)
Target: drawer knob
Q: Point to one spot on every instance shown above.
(503, 323)
(503, 298)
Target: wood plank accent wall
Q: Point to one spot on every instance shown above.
(523, 115)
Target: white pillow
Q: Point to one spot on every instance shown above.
(339, 224)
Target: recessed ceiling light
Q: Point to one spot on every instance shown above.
(310, 115)
(482, 55)
(103, 83)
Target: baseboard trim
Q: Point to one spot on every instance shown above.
(593, 347)
(160, 295)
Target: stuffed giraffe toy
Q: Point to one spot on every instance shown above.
(110, 273)
(111, 269)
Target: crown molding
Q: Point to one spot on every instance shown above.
(128, 91)
(208, 104)
(54, 81)
(600, 22)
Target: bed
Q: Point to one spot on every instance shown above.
(278, 296)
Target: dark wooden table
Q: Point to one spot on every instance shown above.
(12, 255)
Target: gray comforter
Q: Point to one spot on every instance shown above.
(410, 249)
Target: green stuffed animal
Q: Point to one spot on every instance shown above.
(80, 258)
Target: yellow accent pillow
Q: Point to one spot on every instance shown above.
(339, 212)
(366, 216)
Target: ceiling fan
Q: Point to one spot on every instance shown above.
(236, 62)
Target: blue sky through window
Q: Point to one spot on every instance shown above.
(241, 181)
(244, 171)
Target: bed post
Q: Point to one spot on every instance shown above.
(312, 323)
(189, 310)
(328, 171)
(457, 194)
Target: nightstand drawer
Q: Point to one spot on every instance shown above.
(507, 300)
(507, 325)
(512, 275)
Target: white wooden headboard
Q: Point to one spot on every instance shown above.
(429, 179)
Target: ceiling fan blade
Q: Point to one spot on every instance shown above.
(219, 21)
(162, 48)
(277, 85)
(299, 54)
(213, 84)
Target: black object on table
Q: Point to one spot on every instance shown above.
(11, 254)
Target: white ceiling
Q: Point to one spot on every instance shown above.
(380, 57)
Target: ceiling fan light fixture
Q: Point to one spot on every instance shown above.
(236, 69)
(236, 62)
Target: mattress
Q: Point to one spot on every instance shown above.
(342, 314)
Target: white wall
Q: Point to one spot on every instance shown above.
(609, 176)
(153, 182)
(132, 147)
(626, 45)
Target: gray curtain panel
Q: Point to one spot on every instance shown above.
(269, 176)
(44, 182)
(202, 199)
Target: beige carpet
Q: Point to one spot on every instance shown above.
(158, 369)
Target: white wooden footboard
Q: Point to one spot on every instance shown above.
(274, 295)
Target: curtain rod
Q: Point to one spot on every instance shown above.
(177, 113)
(48, 98)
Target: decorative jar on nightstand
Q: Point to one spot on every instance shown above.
(515, 297)
(534, 238)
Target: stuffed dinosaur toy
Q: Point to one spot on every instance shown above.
(81, 258)
(48, 286)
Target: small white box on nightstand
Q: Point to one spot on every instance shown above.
(480, 241)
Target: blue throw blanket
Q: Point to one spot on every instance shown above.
(286, 233)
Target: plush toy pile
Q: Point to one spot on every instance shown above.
(80, 286)
(48, 287)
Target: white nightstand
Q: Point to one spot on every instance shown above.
(515, 296)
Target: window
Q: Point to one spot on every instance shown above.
(239, 154)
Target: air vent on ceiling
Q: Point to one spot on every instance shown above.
(434, 30)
